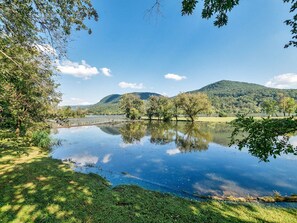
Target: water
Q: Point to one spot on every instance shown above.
(182, 159)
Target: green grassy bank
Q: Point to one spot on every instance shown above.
(37, 188)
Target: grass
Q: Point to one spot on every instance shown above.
(37, 188)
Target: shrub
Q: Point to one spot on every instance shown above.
(41, 139)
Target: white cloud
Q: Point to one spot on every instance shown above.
(288, 80)
(83, 159)
(75, 101)
(171, 152)
(175, 77)
(81, 70)
(131, 85)
(106, 71)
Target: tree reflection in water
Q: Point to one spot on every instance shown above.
(188, 137)
(192, 138)
(133, 132)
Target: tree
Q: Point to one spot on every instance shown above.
(219, 9)
(152, 107)
(41, 22)
(270, 107)
(287, 105)
(194, 104)
(27, 90)
(33, 32)
(160, 107)
(132, 106)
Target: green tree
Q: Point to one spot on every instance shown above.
(270, 107)
(27, 90)
(131, 105)
(287, 105)
(160, 107)
(33, 32)
(152, 107)
(194, 104)
(34, 22)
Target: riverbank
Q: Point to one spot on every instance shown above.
(37, 188)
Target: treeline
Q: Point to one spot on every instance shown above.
(232, 97)
(68, 112)
(284, 105)
(164, 108)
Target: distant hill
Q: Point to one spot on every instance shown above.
(229, 97)
(233, 96)
(231, 86)
(115, 98)
(110, 103)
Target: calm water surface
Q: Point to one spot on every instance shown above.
(183, 159)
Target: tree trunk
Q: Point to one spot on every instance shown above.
(18, 128)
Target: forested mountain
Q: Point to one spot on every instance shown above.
(233, 96)
(229, 97)
(110, 103)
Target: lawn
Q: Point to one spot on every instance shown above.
(37, 188)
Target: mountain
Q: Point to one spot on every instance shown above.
(233, 96)
(227, 97)
(110, 103)
(225, 85)
(115, 98)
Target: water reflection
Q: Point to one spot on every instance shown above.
(132, 132)
(175, 158)
(188, 137)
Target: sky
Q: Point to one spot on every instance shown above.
(132, 50)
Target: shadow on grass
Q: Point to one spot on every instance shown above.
(37, 188)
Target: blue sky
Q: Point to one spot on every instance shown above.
(130, 50)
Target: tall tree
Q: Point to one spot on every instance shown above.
(27, 90)
(32, 33)
(132, 105)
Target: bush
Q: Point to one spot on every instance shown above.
(41, 139)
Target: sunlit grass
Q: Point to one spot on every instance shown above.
(37, 188)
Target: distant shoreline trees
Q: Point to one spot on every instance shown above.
(164, 108)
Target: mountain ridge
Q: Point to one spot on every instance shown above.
(226, 96)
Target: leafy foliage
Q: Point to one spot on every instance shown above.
(220, 8)
(32, 34)
(27, 90)
(264, 138)
(41, 139)
(193, 104)
(160, 107)
(132, 106)
(33, 22)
